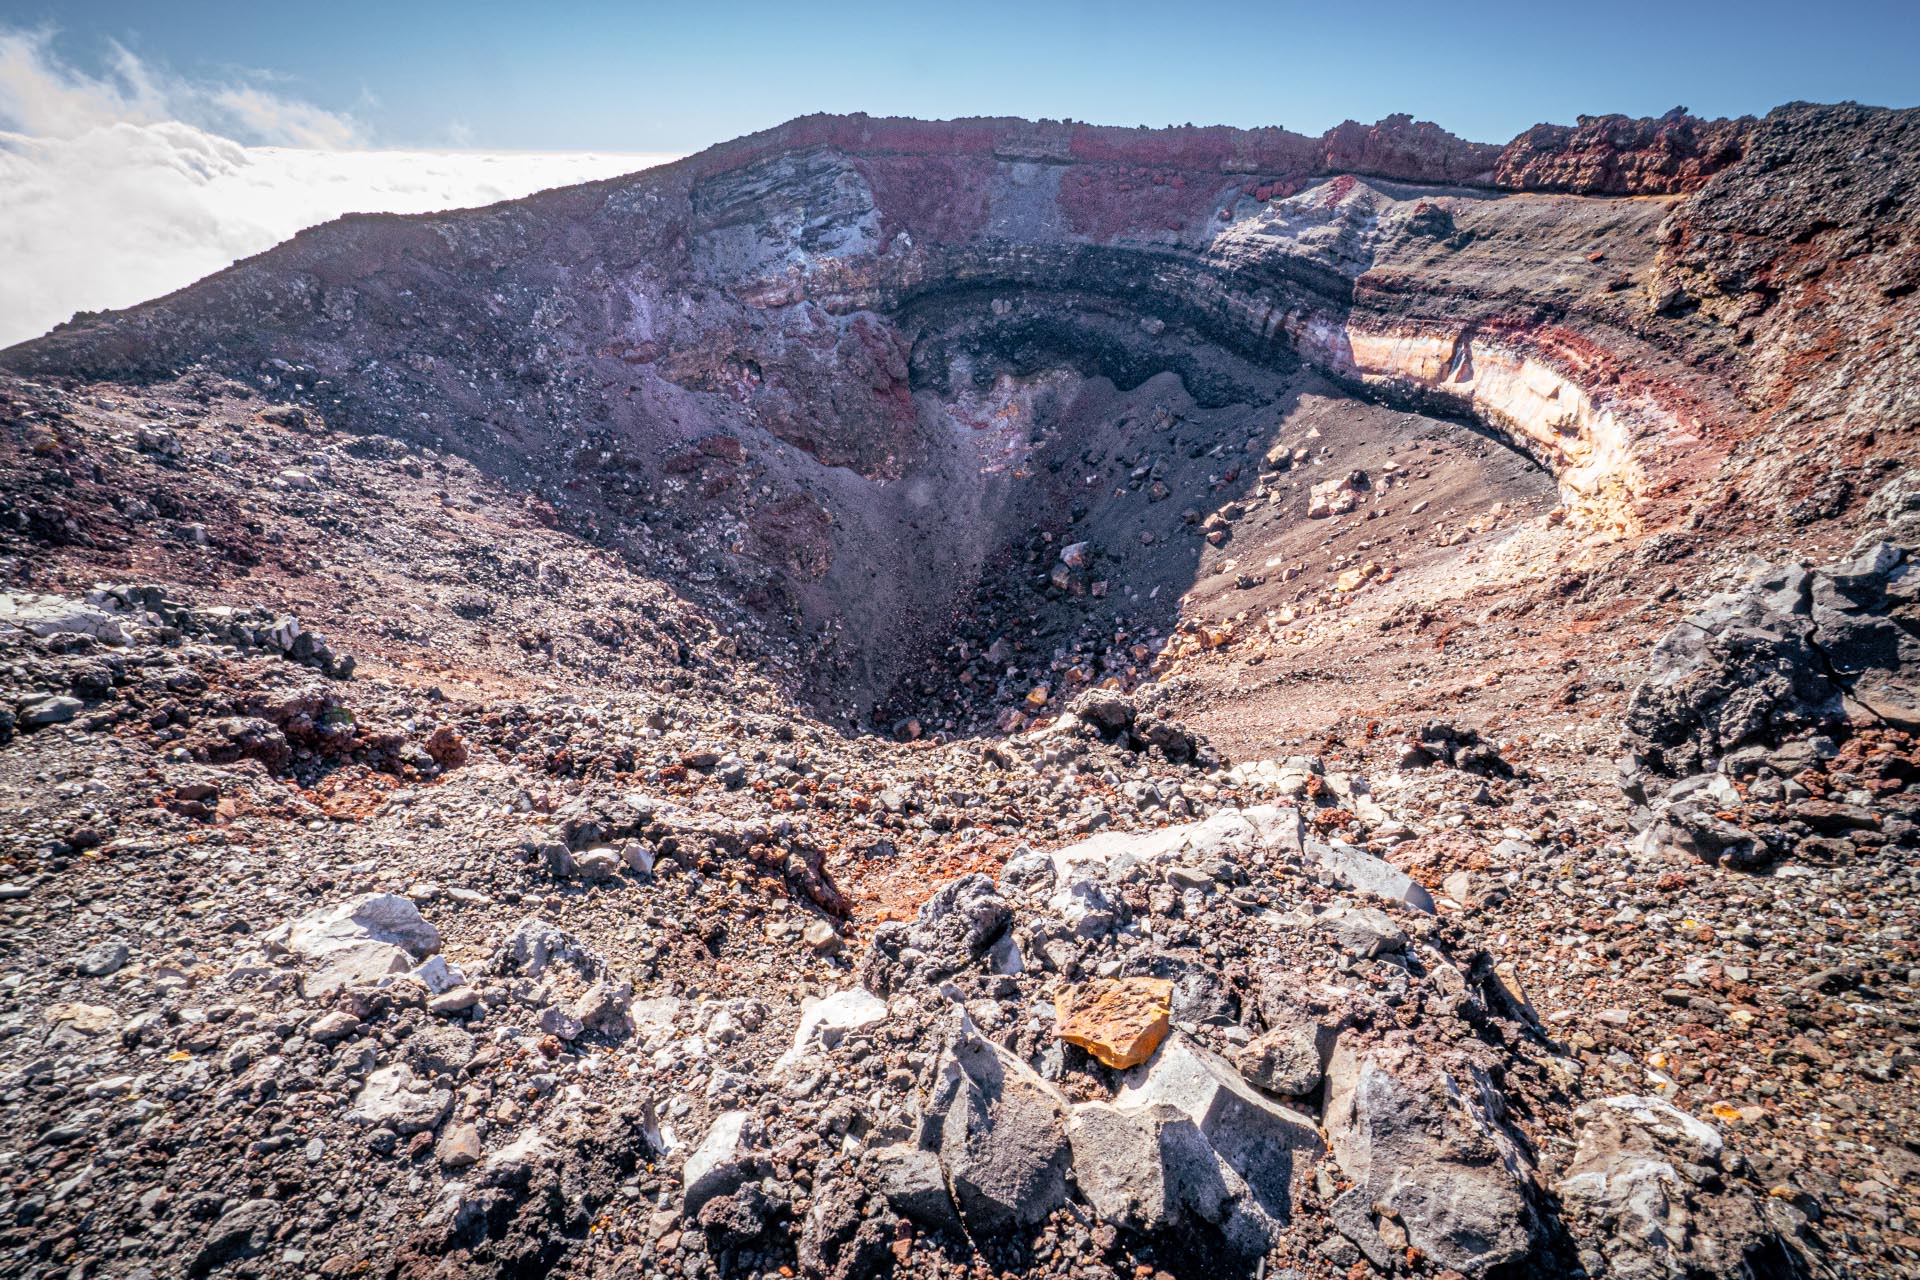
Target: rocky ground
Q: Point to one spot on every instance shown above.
(1128, 804)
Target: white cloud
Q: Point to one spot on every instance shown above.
(121, 188)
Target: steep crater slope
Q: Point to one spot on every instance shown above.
(739, 369)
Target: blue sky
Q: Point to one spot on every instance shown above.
(676, 77)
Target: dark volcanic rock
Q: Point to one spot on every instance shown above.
(1795, 650)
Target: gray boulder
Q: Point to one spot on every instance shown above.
(958, 924)
(1106, 712)
(243, 1232)
(37, 710)
(1364, 931)
(955, 929)
(1147, 1168)
(382, 917)
(828, 1021)
(1427, 1150)
(1262, 1147)
(913, 1183)
(1001, 1132)
(45, 616)
(1291, 1058)
(535, 946)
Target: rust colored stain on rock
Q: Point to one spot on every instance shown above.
(1120, 1021)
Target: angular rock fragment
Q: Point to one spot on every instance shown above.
(1364, 931)
(1422, 1146)
(1360, 870)
(728, 1156)
(1794, 650)
(358, 942)
(47, 615)
(38, 710)
(1120, 1022)
(1291, 1056)
(1001, 1132)
(245, 1232)
(88, 1019)
(958, 924)
(383, 917)
(1267, 1146)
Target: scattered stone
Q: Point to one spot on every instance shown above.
(911, 1180)
(394, 1098)
(40, 709)
(98, 962)
(1364, 931)
(459, 1146)
(823, 939)
(329, 1027)
(88, 1019)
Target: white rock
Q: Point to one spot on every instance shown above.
(395, 1099)
(357, 942)
(53, 616)
(657, 1013)
(439, 976)
(1360, 870)
(723, 1160)
(379, 917)
(355, 964)
(826, 1023)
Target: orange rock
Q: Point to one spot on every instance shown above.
(1120, 1021)
(1355, 578)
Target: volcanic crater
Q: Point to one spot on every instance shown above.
(987, 697)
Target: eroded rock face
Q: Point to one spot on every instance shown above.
(1617, 155)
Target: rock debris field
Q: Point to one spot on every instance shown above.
(987, 699)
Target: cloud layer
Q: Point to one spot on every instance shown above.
(119, 189)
